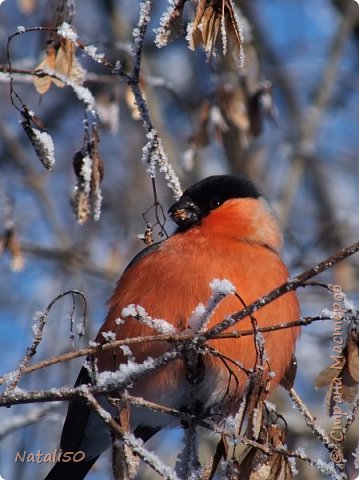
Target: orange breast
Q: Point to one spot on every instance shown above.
(171, 281)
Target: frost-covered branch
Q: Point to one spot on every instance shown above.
(135, 444)
(182, 337)
(12, 378)
(140, 314)
(289, 286)
(201, 316)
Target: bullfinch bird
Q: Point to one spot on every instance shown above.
(225, 231)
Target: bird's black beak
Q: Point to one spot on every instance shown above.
(185, 213)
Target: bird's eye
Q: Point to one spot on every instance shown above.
(215, 202)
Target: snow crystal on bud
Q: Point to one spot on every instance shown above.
(91, 51)
(126, 374)
(97, 204)
(164, 31)
(300, 451)
(93, 344)
(189, 36)
(126, 350)
(129, 311)
(86, 173)
(11, 377)
(144, 12)
(222, 287)
(356, 457)
(201, 316)
(39, 318)
(196, 319)
(293, 466)
(326, 468)
(109, 336)
(119, 321)
(65, 30)
(117, 68)
(20, 28)
(44, 147)
(327, 313)
(162, 326)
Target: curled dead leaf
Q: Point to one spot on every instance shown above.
(43, 83)
(60, 57)
(211, 17)
(267, 466)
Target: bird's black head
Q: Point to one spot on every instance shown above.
(208, 194)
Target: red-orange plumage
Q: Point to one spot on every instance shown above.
(239, 242)
(226, 231)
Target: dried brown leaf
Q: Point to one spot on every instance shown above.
(64, 60)
(276, 467)
(42, 84)
(261, 466)
(211, 17)
(232, 26)
(60, 57)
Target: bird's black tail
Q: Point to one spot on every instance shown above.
(70, 470)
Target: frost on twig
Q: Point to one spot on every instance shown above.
(170, 23)
(153, 155)
(65, 30)
(128, 373)
(40, 320)
(139, 313)
(201, 316)
(150, 458)
(82, 93)
(188, 465)
(135, 444)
